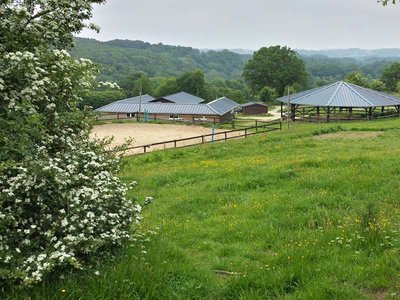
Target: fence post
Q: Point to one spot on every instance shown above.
(245, 132)
(202, 139)
(144, 149)
(226, 137)
(280, 125)
(175, 143)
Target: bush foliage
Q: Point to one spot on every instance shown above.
(59, 198)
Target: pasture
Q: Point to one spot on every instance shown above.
(308, 213)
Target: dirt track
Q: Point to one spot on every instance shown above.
(144, 134)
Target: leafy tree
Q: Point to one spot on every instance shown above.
(398, 87)
(98, 98)
(268, 94)
(295, 88)
(192, 83)
(391, 76)
(136, 81)
(167, 86)
(60, 200)
(358, 78)
(276, 67)
(386, 2)
(378, 85)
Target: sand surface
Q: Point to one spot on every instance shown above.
(145, 134)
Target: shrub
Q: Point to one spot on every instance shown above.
(57, 209)
(60, 201)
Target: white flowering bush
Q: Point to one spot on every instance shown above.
(60, 201)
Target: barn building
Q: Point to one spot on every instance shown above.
(177, 107)
(340, 101)
(254, 108)
(180, 98)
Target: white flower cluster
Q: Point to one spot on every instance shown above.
(55, 210)
(36, 80)
(60, 201)
(110, 85)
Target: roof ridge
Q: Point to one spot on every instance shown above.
(217, 99)
(158, 103)
(361, 96)
(393, 98)
(335, 93)
(319, 90)
(214, 110)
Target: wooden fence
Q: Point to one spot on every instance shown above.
(262, 127)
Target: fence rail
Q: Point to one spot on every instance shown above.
(339, 118)
(262, 127)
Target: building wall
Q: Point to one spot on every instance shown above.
(255, 109)
(228, 117)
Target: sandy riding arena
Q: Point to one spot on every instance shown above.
(144, 134)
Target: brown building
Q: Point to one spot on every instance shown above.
(254, 108)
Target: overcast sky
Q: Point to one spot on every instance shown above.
(251, 24)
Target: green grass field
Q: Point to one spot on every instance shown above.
(308, 213)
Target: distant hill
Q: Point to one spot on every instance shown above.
(356, 53)
(353, 53)
(118, 58)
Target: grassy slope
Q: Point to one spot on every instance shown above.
(297, 217)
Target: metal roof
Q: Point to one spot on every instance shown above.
(223, 105)
(254, 103)
(181, 98)
(342, 94)
(144, 98)
(159, 108)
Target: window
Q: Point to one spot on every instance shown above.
(130, 115)
(175, 117)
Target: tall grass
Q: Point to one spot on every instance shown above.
(284, 216)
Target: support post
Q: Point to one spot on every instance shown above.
(293, 112)
(329, 115)
(288, 107)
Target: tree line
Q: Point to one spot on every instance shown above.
(265, 76)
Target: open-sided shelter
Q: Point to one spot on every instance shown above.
(340, 101)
